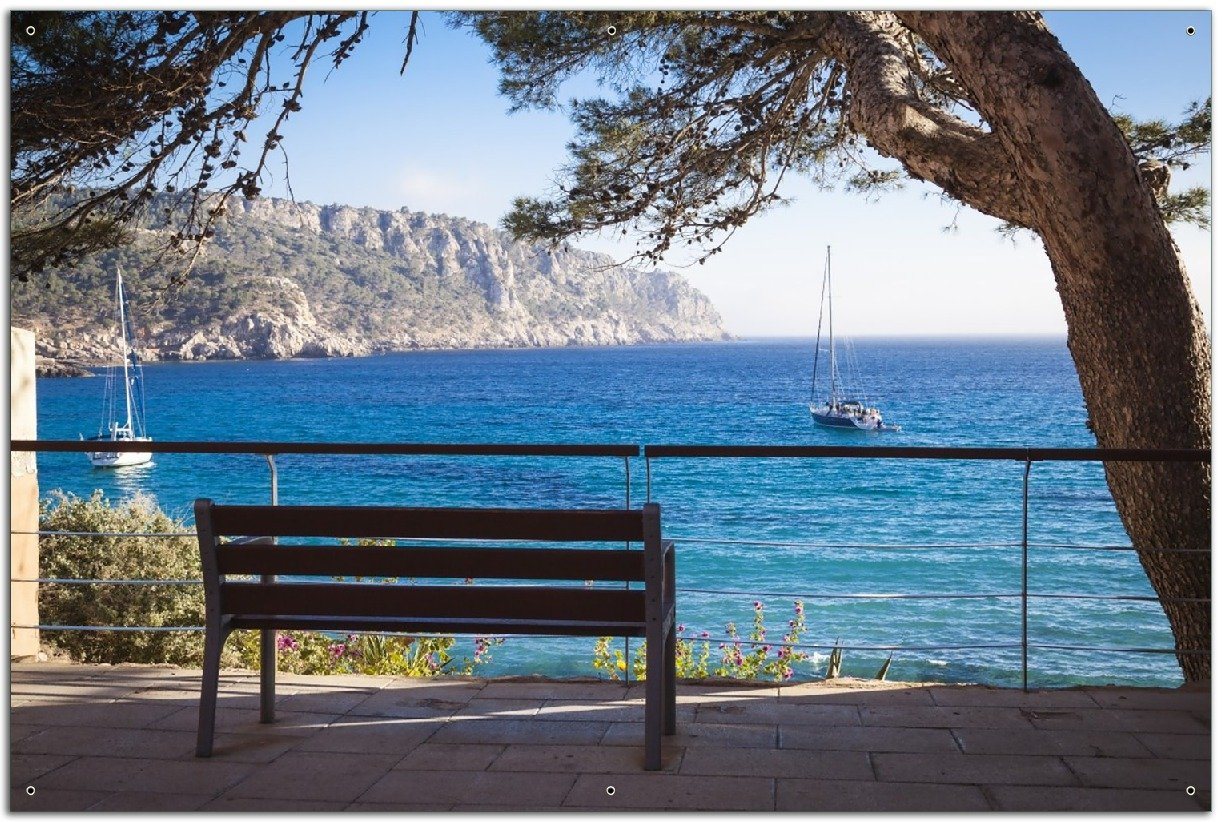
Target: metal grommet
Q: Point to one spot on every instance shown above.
(610, 790)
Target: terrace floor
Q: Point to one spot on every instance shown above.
(119, 738)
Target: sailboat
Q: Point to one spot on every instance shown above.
(123, 399)
(842, 409)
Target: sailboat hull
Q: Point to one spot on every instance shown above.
(120, 459)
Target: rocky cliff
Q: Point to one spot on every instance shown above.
(284, 279)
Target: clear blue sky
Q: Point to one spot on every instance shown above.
(438, 139)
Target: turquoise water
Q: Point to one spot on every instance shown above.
(767, 530)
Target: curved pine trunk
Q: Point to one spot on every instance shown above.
(1135, 331)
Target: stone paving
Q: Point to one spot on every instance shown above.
(121, 738)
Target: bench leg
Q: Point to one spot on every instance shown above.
(668, 694)
(214, 640)
(267, 676)
(655, 689)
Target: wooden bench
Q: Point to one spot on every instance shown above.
(277, 601)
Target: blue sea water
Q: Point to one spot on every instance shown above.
(767, 530)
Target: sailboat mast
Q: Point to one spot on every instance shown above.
(831, 337)
(127, 385)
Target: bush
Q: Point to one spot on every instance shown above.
(119, 557)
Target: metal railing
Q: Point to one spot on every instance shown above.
(651, 453)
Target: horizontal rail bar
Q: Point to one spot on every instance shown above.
(846, 596)
(1122, 650)
(621, 450)
(931, 453)
(77, 581)
(103, 534)
(856, 545)
(276, 448)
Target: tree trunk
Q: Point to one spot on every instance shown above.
(1136, 333)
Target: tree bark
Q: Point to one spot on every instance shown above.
(1136, 333)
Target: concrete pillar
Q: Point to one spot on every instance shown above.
(23, 487)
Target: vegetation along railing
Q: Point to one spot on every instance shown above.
(653, 453)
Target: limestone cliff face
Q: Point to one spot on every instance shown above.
(317, 281)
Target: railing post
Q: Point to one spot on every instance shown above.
(267, 638)
(627, 585)
(1026, 484)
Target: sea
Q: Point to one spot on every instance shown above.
(919, 556)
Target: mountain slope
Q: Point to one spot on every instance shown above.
(284, 279)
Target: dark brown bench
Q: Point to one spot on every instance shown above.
(277, 601)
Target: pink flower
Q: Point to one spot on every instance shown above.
(337, 649)
(757, 605)
(704, 634)
(681, 628)
(789, 673)
(284, 642)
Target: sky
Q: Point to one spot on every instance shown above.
(439, 139)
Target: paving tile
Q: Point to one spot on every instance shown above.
(420, 702)
(1166, 774)
(1033, 742)
(314, 777)
(1021, 798)
(553, 690)
(324, 700)
(980, 696)
(49, 799)
(16, 732)
(839, 695)
(144, 801)
(761, 713)
(431, 757)
(391, 807)
(248, 747)
(980, 769)
(83, 690)
(528, 731)
(696, 734)
(97, 715)
(911, 740)
(918, 716)
(1176, 746)
(612, 759)
(713, 692)
(668, 791)
(773, 763)
(372, 734)
(500, 708)
(608, 711)
(1185, 722)
(541, 790)
(125, 742)
(246, 720)
(237, 804)
(842, 795)
(27, 767)
(148, 775)
(1159, 699)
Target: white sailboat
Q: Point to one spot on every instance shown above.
(123, 400)
(841, 410)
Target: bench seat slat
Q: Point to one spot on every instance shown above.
(613, 525)
(487, 563)
(565, 627)
(454, 601)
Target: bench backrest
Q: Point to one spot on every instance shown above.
(215, 523)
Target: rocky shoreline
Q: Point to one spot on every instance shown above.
(79, 364)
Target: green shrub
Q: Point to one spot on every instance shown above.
(119, 557)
